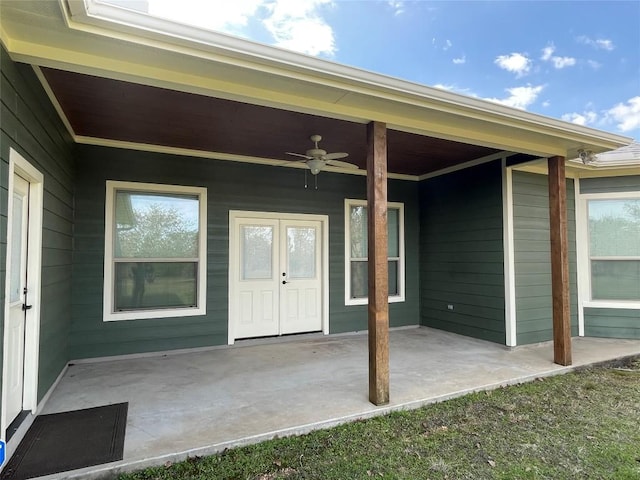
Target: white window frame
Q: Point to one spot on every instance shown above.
(400, 297)
(584, 251)
(109, 314)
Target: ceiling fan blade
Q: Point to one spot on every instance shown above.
(335, 156)
(338, 163)
(299, 155)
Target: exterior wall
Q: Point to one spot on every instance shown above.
(461, 259)
(629, 183)
(31, 126)
(230, 186)
(610, 322)
(532, 251)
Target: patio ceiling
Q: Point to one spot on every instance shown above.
(107, 109)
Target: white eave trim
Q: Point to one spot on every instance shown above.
(113, 21)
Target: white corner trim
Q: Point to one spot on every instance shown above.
(54, 100)
(462, 166)
(510, 310)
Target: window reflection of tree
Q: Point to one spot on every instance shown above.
(301, 251)
(163, 229)
(614, 248)
(257, 245)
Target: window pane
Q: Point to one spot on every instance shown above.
(153, 225)
(358, 232)
(393, 277)
(15, 281)
(615, 279)
(360, 279)
(147, 285)
(393, 232)
(614, 227)
(301, 252)
(257, 252)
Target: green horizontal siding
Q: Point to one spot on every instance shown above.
(461, 253)
(629, 183)
(612, 323)
(230, 186)
(31, 126)
(532, 254)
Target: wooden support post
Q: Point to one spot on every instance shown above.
(559, 261)
(378, 267)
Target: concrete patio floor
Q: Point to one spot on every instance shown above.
(202, 402)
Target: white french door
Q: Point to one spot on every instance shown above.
(276, 276)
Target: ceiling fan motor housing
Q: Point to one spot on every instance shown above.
(316, 152)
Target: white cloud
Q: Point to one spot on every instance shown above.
(593, 64)
(547, 52)
(625, 115)
(558, 62)
(447, 45)
(455, 89)
(585, 118)
(297, 25)
(460, 60)
(517, 63)
(397, 6)
(561, 62)
(293, 24)
(598, 43)
(221, 16)
(519, 97)
(546, 104)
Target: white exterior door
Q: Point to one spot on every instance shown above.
(257, 280)
(276, 276)
(301, 286)
(18, 297)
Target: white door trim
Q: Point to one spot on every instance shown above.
(18, 165)
(234, 253)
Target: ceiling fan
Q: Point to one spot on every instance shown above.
(317, 158)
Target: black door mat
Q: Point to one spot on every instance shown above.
(65, 441)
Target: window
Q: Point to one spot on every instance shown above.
(356, 252)
(614, 248)
(155, 251)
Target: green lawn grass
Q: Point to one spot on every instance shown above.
(584, 424)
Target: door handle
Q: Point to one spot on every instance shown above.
(284, 282)
(26, 307)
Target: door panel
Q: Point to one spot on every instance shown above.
(18, 282)
(300, 259)
(257, 283)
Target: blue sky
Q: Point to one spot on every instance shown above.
(571, 60)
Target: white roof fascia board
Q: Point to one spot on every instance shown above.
(166, 34)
